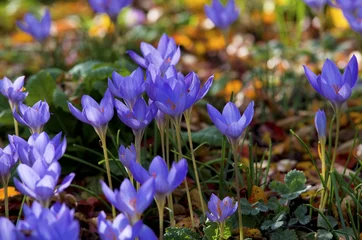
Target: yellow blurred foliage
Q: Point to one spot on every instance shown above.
(183, 40)
(215, 42)
(21, 38)
(196, 5)
(102, 24)
(338, 18)
(11, 192)
(253, 233)
(232, 86)
(257, 194)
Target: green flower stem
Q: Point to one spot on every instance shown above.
(177, 124)
(25, 198)
(105, 153)
(138, 140)
(169, 197)
(6, 199)
(236, 171)
(322, 145)
(188, 124)
(16, 126)
(160, 202)
(221, 229)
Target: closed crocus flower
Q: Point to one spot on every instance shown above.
(320, 121)
(39, 147)
(8, 230)
(109, 7)
(97, 115)
(14, 92)
(220, 210)
(39, 181)
(222, 16)
(128, 200)
(166, 54)
(127, 155)
(231, 123)
(331, 84)
(129, 88)
(8, 159)
(56, 223)
(354, 19)
(121, 229)
(34, 117)
(165, 181)
(137, 118)
(38, 29)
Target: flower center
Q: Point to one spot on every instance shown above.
(336, 89)
(172, 104)
(133, 202)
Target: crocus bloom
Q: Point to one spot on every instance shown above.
(165, 181)
(7, 229)
(220, 210)
(127, 155)
(128, 88)
(222, 16)
(128, 201)
(316, 4)
(97, 115)
(346, 5)
(137, 118)
(109, 7)
(39, 147)
(167, 53)
(320, 121)
(8, 158)
(331, 84)
(39, 182)
(33, 117)
(355, 19)
(56, 223)
(39, 30)
(121, 229)
(134, 17)
(231, 123)
(14, 92)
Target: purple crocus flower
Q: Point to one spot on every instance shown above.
(8, 159)
(109, 7)
(320, 121)
(346, 5)
(39, 181)
(354, 19)
(222, 16)
(220, 210)
(127, 155)
(14, 92)
(331, 84)
(39, 147)
(231, 123)
(97, 115)
(39, 30)
(128, 88)
(128, 200)
(137, 118)
(7, 229)
(121, 229)
(56, 223)
(165, 181)
(316, 4)
(166, 54)
(33, 117)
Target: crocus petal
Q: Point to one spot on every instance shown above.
(108, 193)
(331, 73)
(177, 174)
(146, 233)
(312, 78)
(8, 230)
(24, 189)
(76, 113)
(217, 118)
(350, 74)
(231, 113)
(65, 183)
(137, 58)
(28, 175)
(139, 173)
(145, 195)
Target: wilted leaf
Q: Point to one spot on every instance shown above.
(11, 193)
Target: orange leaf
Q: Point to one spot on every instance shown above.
(11, 192)
(257, 194)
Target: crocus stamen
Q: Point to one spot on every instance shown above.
(133, 202)
(336, 88)
(172, 104)
(154, 175)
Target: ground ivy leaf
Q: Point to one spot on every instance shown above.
(301, 214)
(324, 235)
(174, 233)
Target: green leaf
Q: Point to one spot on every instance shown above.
(247, 208)
(301, 214)
(210, 135)
(324, 235)
(60, 99)
(292, 221)
(81, 69)
(100, 73)
(283, 235)
(273, 203)
(40, 86)
(212, 231)
(331, 220)
(278, 221)
(174, 233)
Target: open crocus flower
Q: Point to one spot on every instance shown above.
(39, 147)
(220, 210)
(222, 16)
(39, 181)
(316, 4)
(33, 117)
(110, 7)
(121, 229)
(39, 30)
(165, 181)
(354, 18)
(128, 88)
(14, 92)
(56, 223)
(166, 54)
(346, 5)
(137, 118)
(128, 200)
(8, 230)
(127, 155)
(231, 123)
(331, 84)
(97, 115)
(8, 159)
